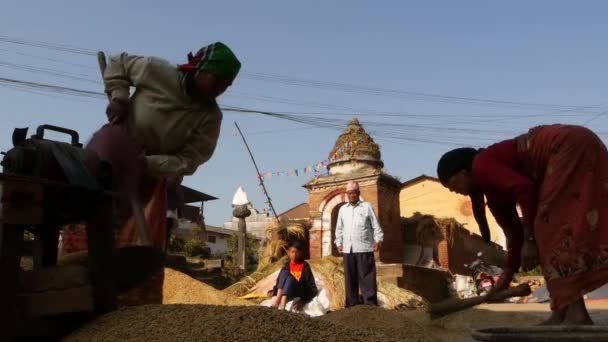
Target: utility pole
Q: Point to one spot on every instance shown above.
(260, 178)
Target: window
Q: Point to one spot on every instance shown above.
(211, 238)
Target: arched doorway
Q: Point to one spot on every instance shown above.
(334, 221)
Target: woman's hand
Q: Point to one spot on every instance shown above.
(117, 111)
(505, 280)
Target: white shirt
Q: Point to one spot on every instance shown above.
(357, 228)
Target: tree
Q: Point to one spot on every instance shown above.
(192, 246)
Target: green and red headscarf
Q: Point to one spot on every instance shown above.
(216, 59)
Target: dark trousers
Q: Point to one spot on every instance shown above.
(290, 286)
(360, 272)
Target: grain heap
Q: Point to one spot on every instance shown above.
(383, 322)
(179, 288)
(215, 323)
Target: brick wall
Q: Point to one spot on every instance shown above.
(315, 244)
(315, 236)
(390, 219)
(462, 248)
(314, 201)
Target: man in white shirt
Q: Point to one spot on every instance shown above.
(358, 236)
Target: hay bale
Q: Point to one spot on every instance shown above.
(215, 323)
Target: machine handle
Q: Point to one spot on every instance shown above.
(40, 133)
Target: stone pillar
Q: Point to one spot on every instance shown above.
(241, 212)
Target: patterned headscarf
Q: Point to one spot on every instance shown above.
(216, 59)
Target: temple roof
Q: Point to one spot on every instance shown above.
(355, 145)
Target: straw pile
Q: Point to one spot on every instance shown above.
(215, 323)
(277, 237)
(179, 288)
(427, 228)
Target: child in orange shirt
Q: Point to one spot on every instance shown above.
(296, 281)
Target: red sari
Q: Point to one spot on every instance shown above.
(114, 145)
(558, 175)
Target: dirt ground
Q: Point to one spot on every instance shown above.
(458, 326)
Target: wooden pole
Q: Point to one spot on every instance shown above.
(258, 172)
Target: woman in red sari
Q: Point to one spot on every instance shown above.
(558, 175)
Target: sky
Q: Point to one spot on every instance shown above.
(422, 77)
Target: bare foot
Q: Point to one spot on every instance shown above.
(557, 317)
(583, 321)
(577, 314)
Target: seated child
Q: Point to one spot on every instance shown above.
(295, 281)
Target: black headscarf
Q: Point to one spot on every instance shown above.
(455, 161)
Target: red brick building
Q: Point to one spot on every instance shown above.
(360, 162)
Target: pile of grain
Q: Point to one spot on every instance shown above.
(179, 288)
(383, 322)
(215, 323)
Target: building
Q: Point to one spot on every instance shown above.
(192, 214)
(426, 195)
(355, 156)
(217, 240)
(300, 212)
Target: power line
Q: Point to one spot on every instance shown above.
(52, 72)
(46, 45)
(327, 85)
(53, 88)
(49, 59)
(357, 89)
(389, 131)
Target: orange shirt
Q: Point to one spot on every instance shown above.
(296, 270)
